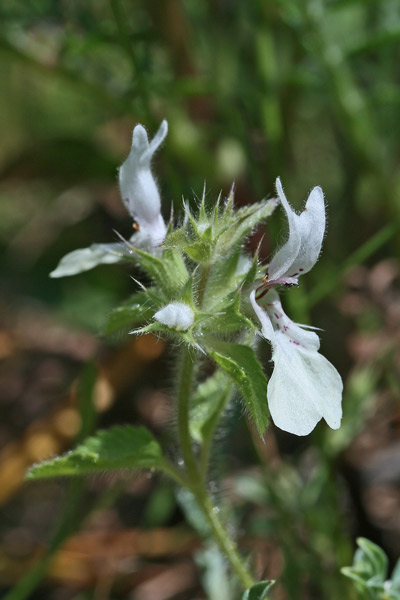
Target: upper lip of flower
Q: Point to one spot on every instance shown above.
(303, 246)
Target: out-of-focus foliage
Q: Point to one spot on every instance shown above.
(306, 90)
(369, 573)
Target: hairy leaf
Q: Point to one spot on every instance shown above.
(208, 403)
(241, 364)
(117, 448)
(139, 308)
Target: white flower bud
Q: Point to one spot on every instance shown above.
(176, 315)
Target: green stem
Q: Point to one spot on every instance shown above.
(195, 483)
(184, 393)
(226, 544)
(207, 443)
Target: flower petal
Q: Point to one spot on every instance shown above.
(304, 388)
(267, 329)
(281, 323)
(306, 232)
(284, 258)
(85, 259)
(311, 226)
(138, 187)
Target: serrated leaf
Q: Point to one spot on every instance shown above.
(139, 308)
(117, 448)
(208, 403)
(241, 364)
(258, 591)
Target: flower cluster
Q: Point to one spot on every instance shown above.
(304, 386)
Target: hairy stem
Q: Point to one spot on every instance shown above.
(184, 394)
(195, 482)
(207, 443)
(226, 544)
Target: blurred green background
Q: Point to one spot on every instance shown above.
(306, 90)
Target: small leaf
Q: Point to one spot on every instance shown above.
(258, 591)
(199, 251)
(175, 268)
(376, 556)
(232, 270)
(241, 364)
(117, 448)
(139, 308)
(169, 273)
(353, 574)
(208, 403)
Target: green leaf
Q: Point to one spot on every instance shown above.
(199, 251)
(241, 364)
(258, 591)
(175, 268)
(376, 556)
(226, 275)
(243, 221)
(208, 403)
(169, 273)
(353, 574)
(139, 308)
(117, 448)
(227, 317)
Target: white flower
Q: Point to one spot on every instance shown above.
(304, 387)
(141, 197)
(176, 315)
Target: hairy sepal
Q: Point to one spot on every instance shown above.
(137, 310)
